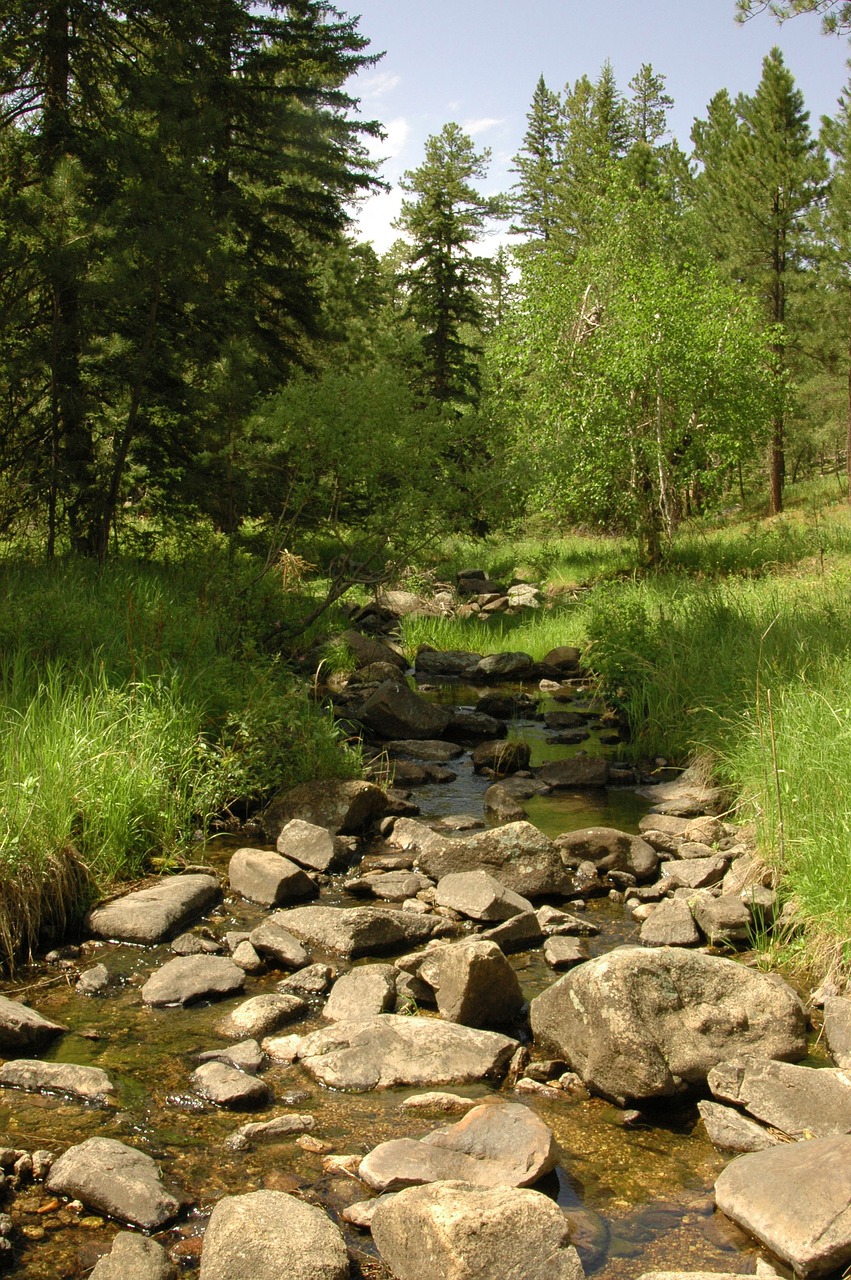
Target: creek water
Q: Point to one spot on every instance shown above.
(638, 1193)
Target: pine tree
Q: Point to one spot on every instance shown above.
(537, 164)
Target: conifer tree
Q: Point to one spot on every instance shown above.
(537, 165)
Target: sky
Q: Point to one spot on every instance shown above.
(476, 62)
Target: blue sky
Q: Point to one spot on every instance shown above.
(477, 62)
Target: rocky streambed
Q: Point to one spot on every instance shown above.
(405, 1031)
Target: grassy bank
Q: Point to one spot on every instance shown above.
(135, 704)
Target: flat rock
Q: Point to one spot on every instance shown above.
(186, 979)
(434, 750)
(480, 896)
(688, 796)
(731, 1131)
(344, 807)
(565, 953)
(134, 1257)
(24, 1028)
(647, 1022)
(389, 886)
(91, 1084)
(151, 915)
(456, 1231)
(114, 1179)
(267, 1235)
(579, 772)
(227, 1086)
(261, 1015)
(358, 931)
(505, 800)
(837, 1029)
(269, 878)
(796, 1199)
(610, 850)
(517, 854)
(799, 1101)
(311, 846)
(670, 924)
(695, 873)
(555, 922)
(470, 727)
(435, 1100)
(363, 992)
(261, 1132)
(247, 1055)
(275, 942)
(393, 1050)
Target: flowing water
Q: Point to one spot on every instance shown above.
(638, 1191)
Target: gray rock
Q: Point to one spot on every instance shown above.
(261, 1015)
(276, 943)
(363, 992)
(731, 1131)
(247, 957)
(195, 944)
(799, 1101)
(134, 1257)
(446, 662)
(247, 1055)
(504, 666)
(269, 878)
(361, 1213)
(188, 978)
(23, 1028)
(266, 1131)
(517, 934)
(267, 1235)
(565, 656)
(495, 1144)
(112, 1178)
(474, 984)
(393, 1050)
(837, 1029)
(725, 920)
(93, 981)
(312, 846)
(517, 854)
(439, 1101)
(389, 886)
(565, 953)
(696, 873)
(150, 915)
(312, 980)
(500, 758)
(344, 807)
(471, 727)
(643, 1023)
(358, 931)
(455, 1231)
(480, 896)
(368, 650)
(227, 1086)
(610, 850)
(579, 772)
(505, 800)
(670, 924)
(554, 922)
(796, 1199)
(434, 750)
(688, 796)
(395, 711)
(31, 1074)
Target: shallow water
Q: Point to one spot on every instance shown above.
(639, 1197)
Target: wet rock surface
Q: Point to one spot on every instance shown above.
(116, 1179)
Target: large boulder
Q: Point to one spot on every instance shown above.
(397, 1051)
(609, 850)
(344, 807)
(313, 847)
(363, 992)
(480, 896)
(395, 711)
(23, 1028)
(577, 773)
(189, 978)
(267, 1235)
(261, 1015)
(446, 662)
(799, 1101)
(796, 1199)
(368, 650)
(114, 1179)
(360, 931)
(517, 854)
(455, 1231)
(639, 1023)
(474, 984)
(837, 1029)
(150, 915)
(269, 878)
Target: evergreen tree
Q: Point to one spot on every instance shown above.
(595, 141)
(537, 164)
(647, 111)
(835, 259)
(836, 14)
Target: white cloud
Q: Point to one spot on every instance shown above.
(388, 148)
(474, 127)
(374, 219)
(376, 86)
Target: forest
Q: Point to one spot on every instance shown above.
(221, 416)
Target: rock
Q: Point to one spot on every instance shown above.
(311, 846)
(189, 978)
(517, 854)
(368, 650)
(644, 1023)
(267, 1235)
(725, 921)
(500, 1144)
(264, 1131)
(134, 1257)
(799, 1101)
(150, 915)
(274, 941)
(688, 796)
(471, 727)
(112, 1178)
(312, 980)
(502, 757)
(696, 873)
(23, 1028)
(344, 807)
(268, 878)
(437, 1101)
(479, 896)
(565, 953)
(393, 1050)
(796, 1199)
(446, 662)
(434, 750)
(360, 1215)
(247, 1055)
(507, 706)
(261, 1015)
(358, 931)
(731, 1131)
(93, 981)
(555, 922)
(505, 799)
(670, 924)
(579, 772)
(247, 958)
(455, 1231)
(520, 933)
(474, 984)
(227, 1086)
(565, 657)
(504, 666)
(195, 944)
(395, 711)
(389, 886)
(363, 992)
(610, 850)
(837, 1029)
(89, 1083)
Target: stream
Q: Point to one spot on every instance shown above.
(637, 1189)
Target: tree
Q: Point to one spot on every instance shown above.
(835, 257)
(537, 164)
(836, 14)
(445, 218)
(647, 112)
